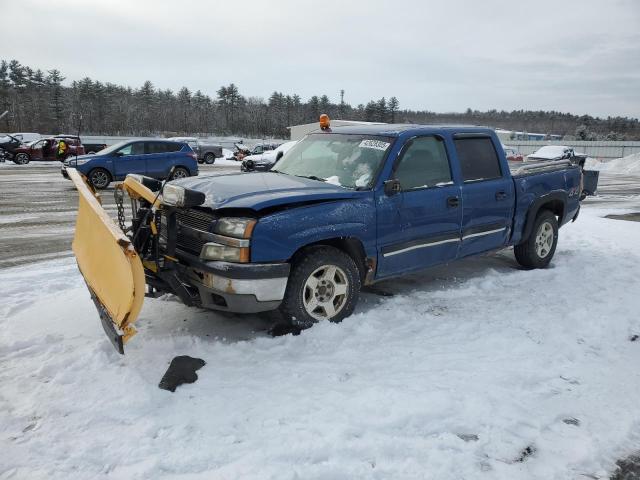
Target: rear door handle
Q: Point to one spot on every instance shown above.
(501, 195)
(453, 202)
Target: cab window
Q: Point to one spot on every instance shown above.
(132, 149)
(424, 164)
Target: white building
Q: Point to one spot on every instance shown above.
(299, 131)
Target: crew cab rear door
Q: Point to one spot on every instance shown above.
(488, 194)
(419, 223)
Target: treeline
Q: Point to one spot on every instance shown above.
(40, 101)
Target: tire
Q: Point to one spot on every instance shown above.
(538, 250)
(99, 178)
(318, 277)
(210, 158)
(179, 172)
(21, 159)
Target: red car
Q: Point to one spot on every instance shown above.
(513, 155)
(46, 149)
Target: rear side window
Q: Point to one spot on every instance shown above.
(173, 147)
(478, 159)
(156, 147)
(424, 164)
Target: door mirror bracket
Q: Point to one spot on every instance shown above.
(391, 187)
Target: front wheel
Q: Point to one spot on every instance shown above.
(538, 250)
(179, 172)
(21, 159)
(324, 285)
(209, 158)
(99, 178)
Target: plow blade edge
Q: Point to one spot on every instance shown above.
(109, 264)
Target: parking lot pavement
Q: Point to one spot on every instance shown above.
(37, 211)
(37, 208)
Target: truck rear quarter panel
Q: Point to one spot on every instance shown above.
(534, 191)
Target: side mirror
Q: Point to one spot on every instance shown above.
(119, 154)
(391, 187)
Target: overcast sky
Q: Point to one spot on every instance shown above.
(446, 55)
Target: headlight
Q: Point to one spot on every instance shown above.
(216, 251)
(178, 196)
(81, 161)
(236, 227)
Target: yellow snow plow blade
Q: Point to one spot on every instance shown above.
(109, 264)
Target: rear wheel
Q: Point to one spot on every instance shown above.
(99, 178)
(21, 159)
(538, 250)
(324, 285)
(209, 158)
(179, 172)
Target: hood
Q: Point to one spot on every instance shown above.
(257, 191)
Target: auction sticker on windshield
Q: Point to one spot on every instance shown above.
(376, 144)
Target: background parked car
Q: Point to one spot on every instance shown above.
(206, 152)
(153, 158)
(8, 145)
(512, 154)
(46, 149)
(558, 152)
(243, 150)
(89, 148)
(266, 160)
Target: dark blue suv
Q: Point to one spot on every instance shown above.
(153, 158)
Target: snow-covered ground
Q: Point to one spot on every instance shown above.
(453, 377)
(629, 165)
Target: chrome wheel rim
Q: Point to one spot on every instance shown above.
(325, 292)
(22, 159)
(99, 179)
(544, 239)
(179, 174)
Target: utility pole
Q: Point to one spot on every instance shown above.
(342, 103)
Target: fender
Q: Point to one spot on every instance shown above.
(534, 208)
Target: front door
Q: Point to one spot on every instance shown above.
(488, 195)
(130, 159)
(419, 226)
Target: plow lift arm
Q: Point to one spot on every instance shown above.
(108, 261)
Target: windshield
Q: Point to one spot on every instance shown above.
(112, 148)
(350, 161)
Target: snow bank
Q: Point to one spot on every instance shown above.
(629, 165)
(453, 377)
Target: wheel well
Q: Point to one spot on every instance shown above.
(555, 206)
(103, 169)
(349, 245)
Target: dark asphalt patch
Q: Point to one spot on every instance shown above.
(628, 468)
(181, 370)
(630, 217)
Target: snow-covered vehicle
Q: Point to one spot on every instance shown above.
(342, 209)
(557, 152)
(265, 160)
(206, 152)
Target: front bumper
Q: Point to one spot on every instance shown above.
(232, 287)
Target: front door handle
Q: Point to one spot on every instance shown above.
(453, 202)
(501, 195)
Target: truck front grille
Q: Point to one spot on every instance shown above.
(196, 219)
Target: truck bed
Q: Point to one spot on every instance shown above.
(524, 169)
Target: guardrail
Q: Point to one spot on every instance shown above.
(599, 149)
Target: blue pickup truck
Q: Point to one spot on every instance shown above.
(345, 208)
